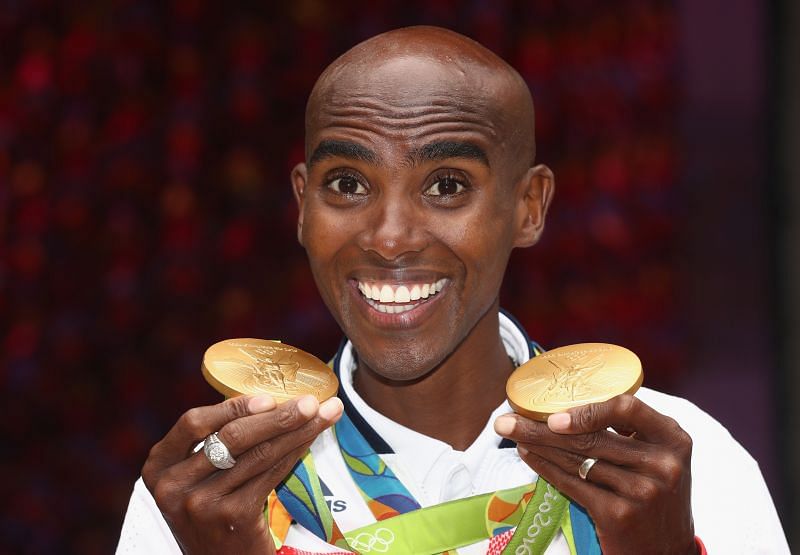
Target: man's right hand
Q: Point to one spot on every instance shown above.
(222, 511)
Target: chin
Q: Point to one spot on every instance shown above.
(400, 363)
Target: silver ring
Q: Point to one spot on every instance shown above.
(585, 467)
(217, 452)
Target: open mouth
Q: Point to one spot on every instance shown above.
(396, 298)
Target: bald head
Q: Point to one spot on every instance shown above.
(400, 77)
(419, 168)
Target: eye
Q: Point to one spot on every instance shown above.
(347, 185)
(445, 186)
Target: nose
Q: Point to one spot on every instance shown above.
(393, 226)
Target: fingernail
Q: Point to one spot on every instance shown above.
(522, 451)
(331, 409)
(559, 422)
(504, 425)
(260, 403)
(307, 405)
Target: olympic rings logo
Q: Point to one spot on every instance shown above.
(379, 542)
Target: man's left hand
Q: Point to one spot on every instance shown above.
(639, 491)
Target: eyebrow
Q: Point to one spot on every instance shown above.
(439, 150)
(442, 150)
(342, 149)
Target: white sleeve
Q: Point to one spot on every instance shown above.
(144, 531)
(731, 505)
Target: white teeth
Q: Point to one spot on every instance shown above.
(387, 295)
(402, 295)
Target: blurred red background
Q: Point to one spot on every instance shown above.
(146, 213)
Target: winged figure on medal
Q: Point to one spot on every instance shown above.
(573, 378)
(267, 369)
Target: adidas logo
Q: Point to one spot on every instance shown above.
(335, 505)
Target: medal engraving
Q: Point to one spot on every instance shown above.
(572, 376)
(251, 366)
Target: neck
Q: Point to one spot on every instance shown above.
(453, 402)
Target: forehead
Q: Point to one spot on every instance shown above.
(409, 101)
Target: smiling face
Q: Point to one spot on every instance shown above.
(414, 194)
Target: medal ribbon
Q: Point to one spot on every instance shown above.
(434, 529)
(403, 527)
(385, 495)
(536, 510)
(301, 495)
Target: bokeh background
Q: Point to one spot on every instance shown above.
(145, 213)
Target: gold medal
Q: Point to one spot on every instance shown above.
(252, 366)
(572, 376)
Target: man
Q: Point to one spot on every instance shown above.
(419, 181)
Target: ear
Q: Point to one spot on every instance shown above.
(533, 199)
(299, 180)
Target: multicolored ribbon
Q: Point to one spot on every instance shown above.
(301, 495)
(537, 511)
(385, 495)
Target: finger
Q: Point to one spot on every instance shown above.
(197, 423)
(241, 434)
(619, 450)
(622, 412)
(267, 454)
(615, 478)
(288, 419)
(586, 494)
